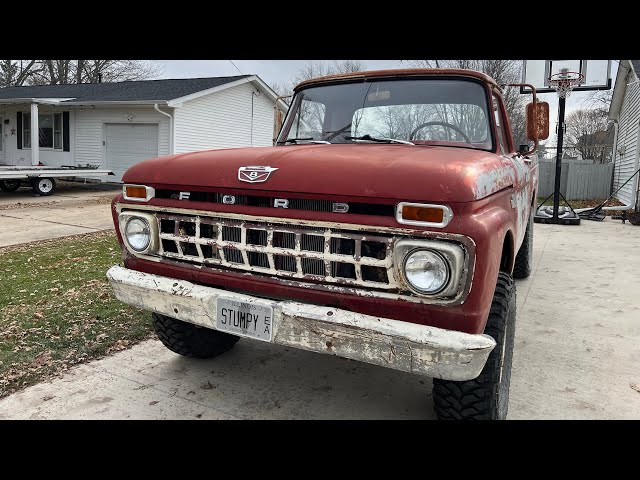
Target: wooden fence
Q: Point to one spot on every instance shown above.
(579, 180)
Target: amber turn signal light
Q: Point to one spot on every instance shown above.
(138, 193)
(423, 214)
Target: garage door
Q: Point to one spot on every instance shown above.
(128, 144)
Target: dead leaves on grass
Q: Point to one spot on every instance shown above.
(52, 318)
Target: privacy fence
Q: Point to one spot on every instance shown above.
(579, 180)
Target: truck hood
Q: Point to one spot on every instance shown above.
(392, 171)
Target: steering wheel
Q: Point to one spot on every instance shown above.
(443, 124)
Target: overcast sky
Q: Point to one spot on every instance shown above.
(272, 71)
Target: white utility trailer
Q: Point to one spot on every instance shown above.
(42, 178)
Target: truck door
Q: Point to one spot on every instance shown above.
(523, 186)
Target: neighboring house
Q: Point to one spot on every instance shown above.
(115, 125)
(597, 146)
(625, 112)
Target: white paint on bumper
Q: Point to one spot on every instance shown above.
(420, 349)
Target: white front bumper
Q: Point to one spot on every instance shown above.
(420, 349)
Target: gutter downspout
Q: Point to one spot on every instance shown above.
(614, 154)
(171, 130)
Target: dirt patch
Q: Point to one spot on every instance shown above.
(19, 205)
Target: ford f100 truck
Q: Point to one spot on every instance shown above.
(385, 225)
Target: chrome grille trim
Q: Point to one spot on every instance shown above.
(226, 244)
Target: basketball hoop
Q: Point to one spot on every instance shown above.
(565, 81)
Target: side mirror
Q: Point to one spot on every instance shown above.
(537, 121)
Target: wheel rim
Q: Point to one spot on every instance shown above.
(45, 185)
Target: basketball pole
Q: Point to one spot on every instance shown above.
(556, 188)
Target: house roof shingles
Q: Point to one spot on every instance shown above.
(143, 90)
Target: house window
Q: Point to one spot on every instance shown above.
(49, 130)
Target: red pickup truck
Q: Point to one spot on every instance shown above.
(385, 225)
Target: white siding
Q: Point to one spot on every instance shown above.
(90, 131)
(50, 157)
(628, 123)
(223, 120)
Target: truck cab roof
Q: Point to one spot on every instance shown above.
(391, 73)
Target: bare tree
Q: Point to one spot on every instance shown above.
(15, 73)
(599, 99)
(503, 72)
(95, 71)
(317, 69)
(281, 88)
(589, 131)
(313, 112)
(54, 72)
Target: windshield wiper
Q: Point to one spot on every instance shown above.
(382, 139)
(305, 139)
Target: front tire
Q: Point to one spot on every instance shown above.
(487, 396)
(44, 186)
(522, 265)
(9, 185)
(190, 340)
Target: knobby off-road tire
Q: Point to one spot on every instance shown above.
(9, 185)
(522, 266)
(189, 340)
(487, 396)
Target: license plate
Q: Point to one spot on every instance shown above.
(245, 319)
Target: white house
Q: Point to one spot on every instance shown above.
(114, 125)
(625, 113)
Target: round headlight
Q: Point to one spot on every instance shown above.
(138, 234)
(426, 271)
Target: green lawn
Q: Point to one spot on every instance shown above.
(57, 309)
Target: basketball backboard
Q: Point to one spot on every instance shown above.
(597, 74)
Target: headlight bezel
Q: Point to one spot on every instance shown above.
(123, 220)
(454, 254)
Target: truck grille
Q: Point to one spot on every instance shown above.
(311, 253)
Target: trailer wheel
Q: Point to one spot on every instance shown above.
(44, 186)
(9, 185)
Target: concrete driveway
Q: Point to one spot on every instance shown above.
(74, 208)
(577, 352)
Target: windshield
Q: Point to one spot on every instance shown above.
(421, 111)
